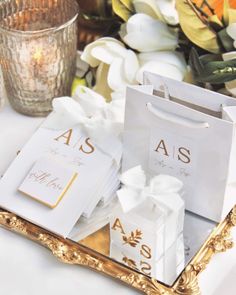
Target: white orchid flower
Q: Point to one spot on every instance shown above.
(146, 34)
(163, 10)
(116, 65)
(170, 64)
(231, 31)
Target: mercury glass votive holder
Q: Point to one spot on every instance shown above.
(38, 45)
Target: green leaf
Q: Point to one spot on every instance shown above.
(226, 40)
(195, 63)
(214, 72)
(206, 58)
(195, 28)
(218, 72)
(123, 8)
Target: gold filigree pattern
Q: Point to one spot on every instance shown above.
(146, 285)
(13, 223)
(188, 283)
(73, 253)
(232, 216)
(219, 241)
(67, 253)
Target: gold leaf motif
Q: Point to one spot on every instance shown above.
(130, 262)
(134, 239)
(195, 27)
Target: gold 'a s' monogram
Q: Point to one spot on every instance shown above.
(134, 239)
(183, 153)
(67, 138)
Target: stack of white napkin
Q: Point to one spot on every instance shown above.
(103, 122)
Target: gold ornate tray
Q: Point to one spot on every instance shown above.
(70, 252)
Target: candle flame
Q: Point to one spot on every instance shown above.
(38, 54)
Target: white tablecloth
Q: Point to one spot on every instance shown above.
(28, 269)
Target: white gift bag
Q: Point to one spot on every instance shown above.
(188, 132)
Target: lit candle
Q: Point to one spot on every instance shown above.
(37, 56)
(37, 61)
(39, 51)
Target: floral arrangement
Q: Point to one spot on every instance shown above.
(187, 40)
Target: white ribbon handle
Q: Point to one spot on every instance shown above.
(176, 118)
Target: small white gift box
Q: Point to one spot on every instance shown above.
(166, 268)
(151, 224)
(148, 215)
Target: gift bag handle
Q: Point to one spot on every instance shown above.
(176, 118)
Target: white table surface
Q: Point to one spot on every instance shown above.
(28, 269)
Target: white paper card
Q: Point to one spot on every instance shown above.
(48, 182)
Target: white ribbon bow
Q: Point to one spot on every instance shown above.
(163, 189)
(101, 121)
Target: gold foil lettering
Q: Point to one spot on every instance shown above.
(91, 150)
(117, 224)
(162, 146)
(184, 155)
(146, 252)
(66, 136)
(145, 268)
